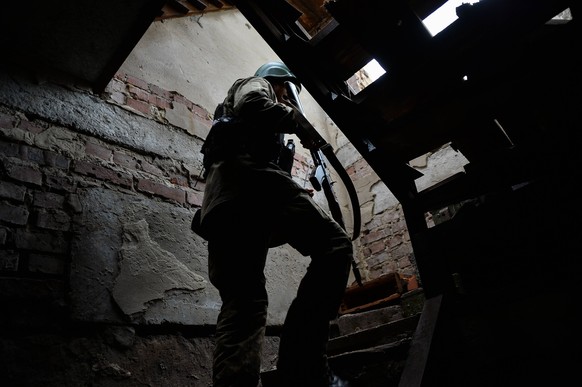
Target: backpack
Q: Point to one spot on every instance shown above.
(230, 136)
(224, 140)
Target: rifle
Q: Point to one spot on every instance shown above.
(320, 178)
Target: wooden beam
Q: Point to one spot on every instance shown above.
(199, 5)
(415, 367)
(216, 3)
(181, 8)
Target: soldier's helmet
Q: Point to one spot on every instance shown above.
(279, 71)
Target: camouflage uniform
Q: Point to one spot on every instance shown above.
(250, 205)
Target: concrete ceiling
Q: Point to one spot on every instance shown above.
(84, 40)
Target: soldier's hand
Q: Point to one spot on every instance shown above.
(308, 143)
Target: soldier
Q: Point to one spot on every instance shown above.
(250, 204)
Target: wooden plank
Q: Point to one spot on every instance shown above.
(371, 294)
(216, 3)
(181, 8)
(176, 5)
(199, 5)
(413, 373)
(370, 305)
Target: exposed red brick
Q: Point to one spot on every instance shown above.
(378, 259)
(25, 174)
(201, 112)
(183, 100)
(159, 102)
(96, 150)
(411, 282)
(137, 82)
(121, 75)
(401, 251)
(138, 93)
(179, 180)
(404, 262)
(140, 106)
(31, 127)
(161, 190)
(56, 160)
(377, 247)
(351, 170)
(395, 240)
(124, 160)
(161, 92)
(48, 199)
(103, 173)
(31, 154)
(198, 184)
(194, 198)
(150, 168)
(375, 235)
(60, 183)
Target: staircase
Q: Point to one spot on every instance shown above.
(370, 347)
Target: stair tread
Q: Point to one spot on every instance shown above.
(375, 336)
(374, 362)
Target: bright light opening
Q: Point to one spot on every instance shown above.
(444, 16)
(563, 17)
(447, 14)
(374, 70)
(365, 76)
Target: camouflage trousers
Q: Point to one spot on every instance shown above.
(237, 254)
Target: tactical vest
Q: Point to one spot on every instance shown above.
(230, 137)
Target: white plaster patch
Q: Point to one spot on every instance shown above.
(148, 271)
(383, 198)
(181, 117)
(440, 165)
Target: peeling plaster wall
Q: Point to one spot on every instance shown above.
(201, 56)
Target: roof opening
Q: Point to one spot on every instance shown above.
(444, 16)
(365, 76)
(563, 17)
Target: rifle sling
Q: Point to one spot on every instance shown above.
(329, 154)
(327, 150)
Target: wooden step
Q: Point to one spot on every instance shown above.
(379, 366)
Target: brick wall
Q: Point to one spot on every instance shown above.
(42, 166)
(384, 245)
